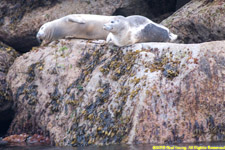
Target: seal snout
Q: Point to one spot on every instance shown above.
(39, 37)
(41, 33)
(107, 27)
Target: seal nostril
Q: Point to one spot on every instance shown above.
(37, 35)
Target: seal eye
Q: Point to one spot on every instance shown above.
(112, 21)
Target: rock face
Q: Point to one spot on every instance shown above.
(157, 10)
(20, 20)
(7, 56)
(85, 93)
(199, 21)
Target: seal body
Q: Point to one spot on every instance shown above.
(83, 26)
(136, 29)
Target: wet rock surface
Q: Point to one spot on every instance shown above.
(7, 57)
(2, 143)
(25, 139)
(83, 93)
(198, 21)
(21, 138)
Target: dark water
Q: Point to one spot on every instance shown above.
(216, 145)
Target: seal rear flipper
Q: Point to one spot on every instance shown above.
(79, 20)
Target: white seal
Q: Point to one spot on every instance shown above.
(126, 31)
(82, 26)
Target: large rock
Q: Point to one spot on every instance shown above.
(84, 93)
(199, 21)
(20, 20)
(7, 57)
(156, 10)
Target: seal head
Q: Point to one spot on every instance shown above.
(114, 25)
(43, 33)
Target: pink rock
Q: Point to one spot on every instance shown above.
(21, 138)
(38, 139)
(86, 93)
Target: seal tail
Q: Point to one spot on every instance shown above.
(173, 37)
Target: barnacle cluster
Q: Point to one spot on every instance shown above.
(120, 64)
(167, 65)
(134, 93)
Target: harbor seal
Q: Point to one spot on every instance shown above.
(82, 26)
(129, 30)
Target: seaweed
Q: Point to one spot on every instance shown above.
(167, 65)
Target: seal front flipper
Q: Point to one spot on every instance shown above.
(79, 20)
(109, 38)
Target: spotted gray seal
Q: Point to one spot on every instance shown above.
(136, 29)
(83, 26)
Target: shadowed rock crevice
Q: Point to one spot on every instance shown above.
(156, 10)
(18, 43)
(6, 121)
(7, 57)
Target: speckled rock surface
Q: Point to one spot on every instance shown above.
(199, 21)
(84, 93)
(7, 56)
